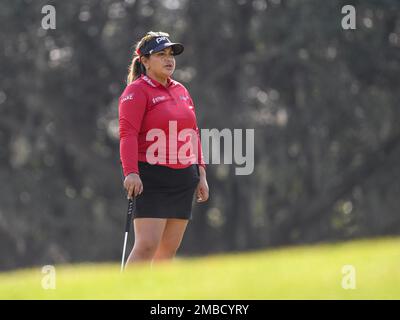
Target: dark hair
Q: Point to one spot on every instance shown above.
(136, 68)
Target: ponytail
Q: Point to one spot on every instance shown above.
(136, 69)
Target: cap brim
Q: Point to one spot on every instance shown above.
(177, 48)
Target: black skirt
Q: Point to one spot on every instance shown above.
(167, 193)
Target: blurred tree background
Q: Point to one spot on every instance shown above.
(324, 103)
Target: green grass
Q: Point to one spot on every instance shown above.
(309, 272)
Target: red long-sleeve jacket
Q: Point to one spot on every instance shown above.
(147, 111)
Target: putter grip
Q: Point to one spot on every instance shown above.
(129, 215)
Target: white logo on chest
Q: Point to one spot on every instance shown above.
(158, 99)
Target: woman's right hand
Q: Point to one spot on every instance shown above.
(133, 185)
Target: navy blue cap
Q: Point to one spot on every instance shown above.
(160, 43)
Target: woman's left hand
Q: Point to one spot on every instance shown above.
(202, 190)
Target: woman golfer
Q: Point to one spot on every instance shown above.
(160, 149)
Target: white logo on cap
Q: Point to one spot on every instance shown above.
(159, 39)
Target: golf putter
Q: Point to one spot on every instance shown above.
(131, 205)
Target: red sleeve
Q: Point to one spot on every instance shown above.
(200, 157)
(132, 107)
